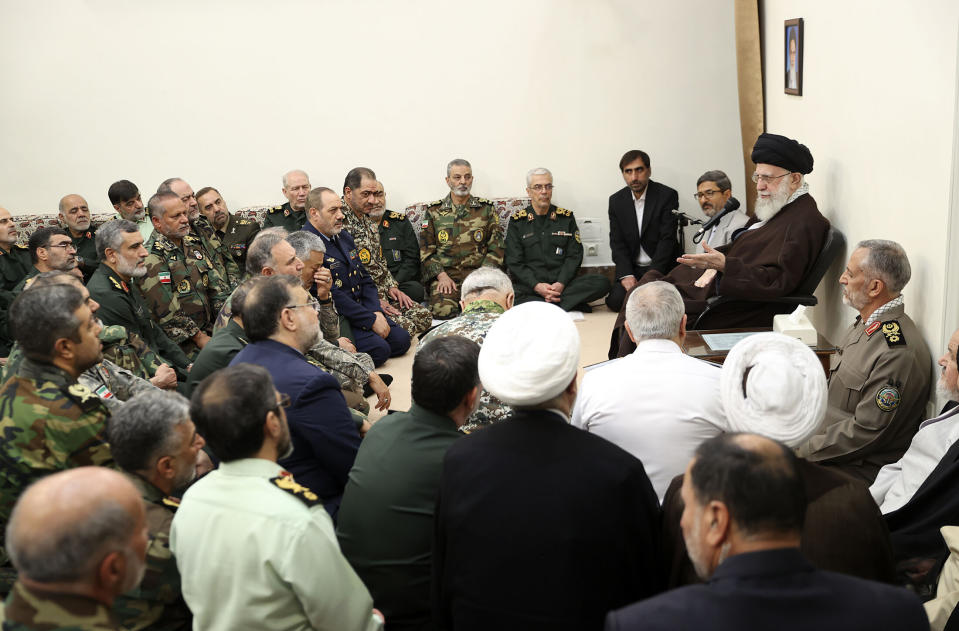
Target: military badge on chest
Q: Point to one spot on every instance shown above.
(443, 236)
(478, 235)
(364, 256)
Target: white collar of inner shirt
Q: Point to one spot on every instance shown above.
(641, 198)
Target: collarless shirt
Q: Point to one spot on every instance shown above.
(640, 204)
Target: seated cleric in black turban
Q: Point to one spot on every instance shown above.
(782, 152)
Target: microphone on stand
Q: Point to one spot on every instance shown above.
(732, 205)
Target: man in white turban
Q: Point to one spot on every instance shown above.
(775, 386)
(538, 524)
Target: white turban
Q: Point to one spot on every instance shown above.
(530, 354)
(785, 390)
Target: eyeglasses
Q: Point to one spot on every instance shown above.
(65, 245)
(706, 193)
(766, 179)
(312, 303)
(539, 188)
(284, 401)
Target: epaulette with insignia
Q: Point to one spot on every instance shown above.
(243, 222)
(22, 247)
(83, 396)
(297, 490)
(275, 209)
(893, 333)
(191, 239)
(113, 334)
(395, 215)
(163, 245)
(436, 203)
(563, 212)
(482, 201)
(171, 502)
(519, 214)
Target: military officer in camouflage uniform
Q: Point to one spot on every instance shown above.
(93, 520)
(201, 228)
(182, 288)
(459, 233)
(120, 247)
(879, 388)
(544, 251)
(401, 249)
(75, 217)
(487, 293)
(165, 468)
(49, 421)
(292, 214)
(362, 196)
(234, 233)
(14, 265)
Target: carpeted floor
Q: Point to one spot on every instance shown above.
(594, 332)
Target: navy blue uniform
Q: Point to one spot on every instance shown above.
(355, 297)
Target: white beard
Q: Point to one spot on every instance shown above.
(766, 209)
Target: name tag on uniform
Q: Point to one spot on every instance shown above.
(562, 234)
(528, 235)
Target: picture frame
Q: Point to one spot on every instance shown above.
(793, 56)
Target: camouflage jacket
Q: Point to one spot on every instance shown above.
(182, 289)
(157, 602)
(366, 236)
(128, 351)
(284, 217)
(27, 610)
(352, 370)
(219, 255)
(473, 324)
(458, 239)
(49, 423)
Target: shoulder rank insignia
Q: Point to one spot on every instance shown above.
(888, 398)
(243, 222)
(395, 215)
(171, 502)
(28, 282)
(436, 203)
(519, 214)
(562, 212)
(83, 396)
(22, 247)
(288, 484)
(893, 333)
(275, 209)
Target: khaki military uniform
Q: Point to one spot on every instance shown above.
(457, 240)
(473, 324)
(49, 423)
(236, 237)
(182, 289)
(284, 217)
(878, 391)
(27, 610)
(14, 265)
(401, 250)
(547, 249)
(86, 247)
(157, 602)
(221, 258)
(366, 236)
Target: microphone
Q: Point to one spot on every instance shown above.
(684, 219)
(731, 206)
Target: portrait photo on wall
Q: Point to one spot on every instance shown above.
(793, 65)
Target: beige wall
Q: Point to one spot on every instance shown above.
(233, 94)
(879, 113)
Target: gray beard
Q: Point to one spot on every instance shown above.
(946, 392)
(767, 209)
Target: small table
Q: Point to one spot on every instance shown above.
(696, 347)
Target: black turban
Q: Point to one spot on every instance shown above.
(782, 152)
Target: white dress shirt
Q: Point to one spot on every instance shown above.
(643, 258)
(896, 483)
(657, 403)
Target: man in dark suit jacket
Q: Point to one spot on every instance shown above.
(280, 319)
(742, 523)
(639, 248)
(539, 525)
(354, 292)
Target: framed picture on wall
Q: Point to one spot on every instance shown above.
(793, 65)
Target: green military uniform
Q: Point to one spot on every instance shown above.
(86, 247)
(547, 249)
(122, 304)
(49, 423)
(182, 289)
(401, 249)
(458, 239)
(236, 237)
(365, 233)
(27, 610)
(14, 265)
(473, 324)
(219, 255)
(157, 602)
(33, 271)
(218, 352)
(129, 351)
(284, 217)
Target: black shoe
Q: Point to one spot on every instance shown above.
(368, 391)
(584, 307)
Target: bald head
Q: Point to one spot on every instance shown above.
(74, 213)
(8, 229)
(84, 529)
